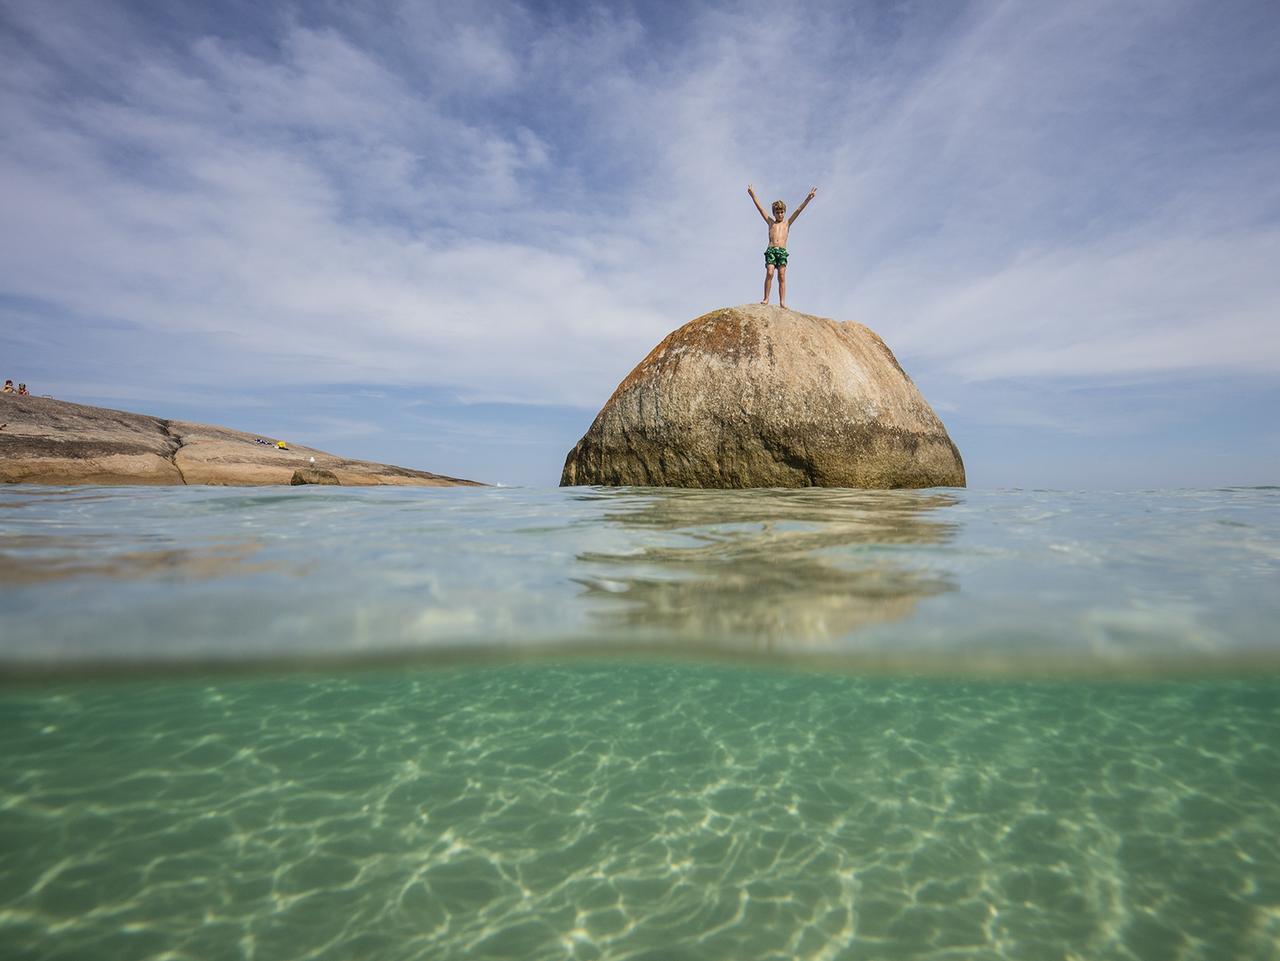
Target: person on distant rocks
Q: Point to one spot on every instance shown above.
(8, 387)
(775, 256)
(22, 391)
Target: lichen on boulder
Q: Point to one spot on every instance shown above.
(759, 396)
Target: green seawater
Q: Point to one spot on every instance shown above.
(311, 725)
(629, 810)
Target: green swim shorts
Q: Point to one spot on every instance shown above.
(776, 256)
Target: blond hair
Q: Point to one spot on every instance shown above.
(777, 204)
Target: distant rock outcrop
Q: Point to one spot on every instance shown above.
(759, 396)
(47, 441)
(314, 475)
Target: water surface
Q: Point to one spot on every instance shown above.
(962, 580)
(296, 724)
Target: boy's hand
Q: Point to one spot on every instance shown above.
(751, 189)
(812, 191)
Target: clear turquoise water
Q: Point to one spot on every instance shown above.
(396, 724)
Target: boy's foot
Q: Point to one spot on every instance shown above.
(765, 302)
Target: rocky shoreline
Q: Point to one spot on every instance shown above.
(47, 441)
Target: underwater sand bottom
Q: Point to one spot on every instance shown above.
(628, 811)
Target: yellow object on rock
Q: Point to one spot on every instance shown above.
(282, 445)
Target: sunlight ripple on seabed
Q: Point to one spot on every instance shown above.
(624, 811)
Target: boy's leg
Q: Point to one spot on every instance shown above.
(768, 282)
(782, 285)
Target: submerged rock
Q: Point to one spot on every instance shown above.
(759, 396)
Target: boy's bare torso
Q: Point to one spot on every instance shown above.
(778, 230)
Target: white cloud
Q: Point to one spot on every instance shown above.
(520, 207)
(1150, 301)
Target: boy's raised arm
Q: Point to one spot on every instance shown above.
(804, 203)
(755, 200)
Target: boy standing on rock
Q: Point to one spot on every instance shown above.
(776, 254)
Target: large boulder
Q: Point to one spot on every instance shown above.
(759, 396)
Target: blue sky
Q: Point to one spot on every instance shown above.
(439, 234)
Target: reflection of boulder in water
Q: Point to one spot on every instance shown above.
(773, 569)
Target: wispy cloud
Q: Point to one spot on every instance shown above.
(517, 203)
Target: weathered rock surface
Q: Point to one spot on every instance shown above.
(314, 475)
(759, 396)
(47, 441)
